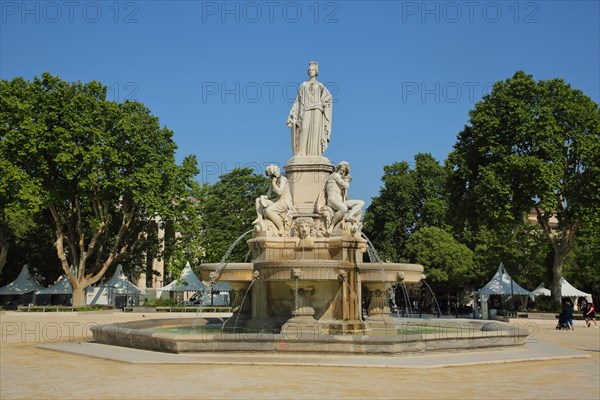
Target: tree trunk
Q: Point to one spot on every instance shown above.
(3, 254)
(3, 247)
(557, 265)
(79, 296)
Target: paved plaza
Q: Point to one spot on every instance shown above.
(49, 355)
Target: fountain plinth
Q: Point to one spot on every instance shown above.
(300, 282)
(307, 176)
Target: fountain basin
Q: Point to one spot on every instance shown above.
(447, 335)
(390, 272)
(233, 272)
(317, 270)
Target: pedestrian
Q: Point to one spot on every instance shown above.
(589, 313)
(567, 311)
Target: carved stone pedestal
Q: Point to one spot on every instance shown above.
(306, 176)
(379, 311)
(302, 321)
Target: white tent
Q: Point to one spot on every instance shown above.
(118, 285)
(220, 286)
(218, 294)
(187, 282)
(501, 284)
(61, 286)
(25, 283)
(566, 289)
(541, 291)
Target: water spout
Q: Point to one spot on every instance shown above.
(371, 251)
(215, 275)
(436, 302)
(406, 299)
(241, 307)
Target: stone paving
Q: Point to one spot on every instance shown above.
(554, 364)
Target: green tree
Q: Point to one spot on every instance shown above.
(19, 202)
(183, 240)
(530, 146)
(35, 247)
(520, 248)
(228, 208)
(409, 199)
(582, 268)
(105, 171)
(447, 262)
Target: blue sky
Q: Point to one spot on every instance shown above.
(223, 75)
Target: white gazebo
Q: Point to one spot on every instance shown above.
(61, 286)
(501, 284)
(117, 286)
(566, 290)
(23, 284)
(541, 291)
(187, 282)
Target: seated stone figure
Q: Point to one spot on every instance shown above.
(277, 212)
(337, 208)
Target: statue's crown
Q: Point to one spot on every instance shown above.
(313, 64)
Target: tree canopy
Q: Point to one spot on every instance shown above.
(228, 209)
(447, 262)
(531, 146)
(19, 202)
(409, 199)
(106, 171)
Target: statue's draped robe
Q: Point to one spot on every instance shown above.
(312, 114)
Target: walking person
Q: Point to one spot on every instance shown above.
(589, 313)
(567, 311)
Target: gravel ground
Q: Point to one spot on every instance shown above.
(27, 371)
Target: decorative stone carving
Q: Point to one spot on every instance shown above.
(304, 230)
(304, 227)
(274, 217)
(337, 208)
(296, 273)
(310, 116)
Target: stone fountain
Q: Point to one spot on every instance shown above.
(307, 247)
(305, 286)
